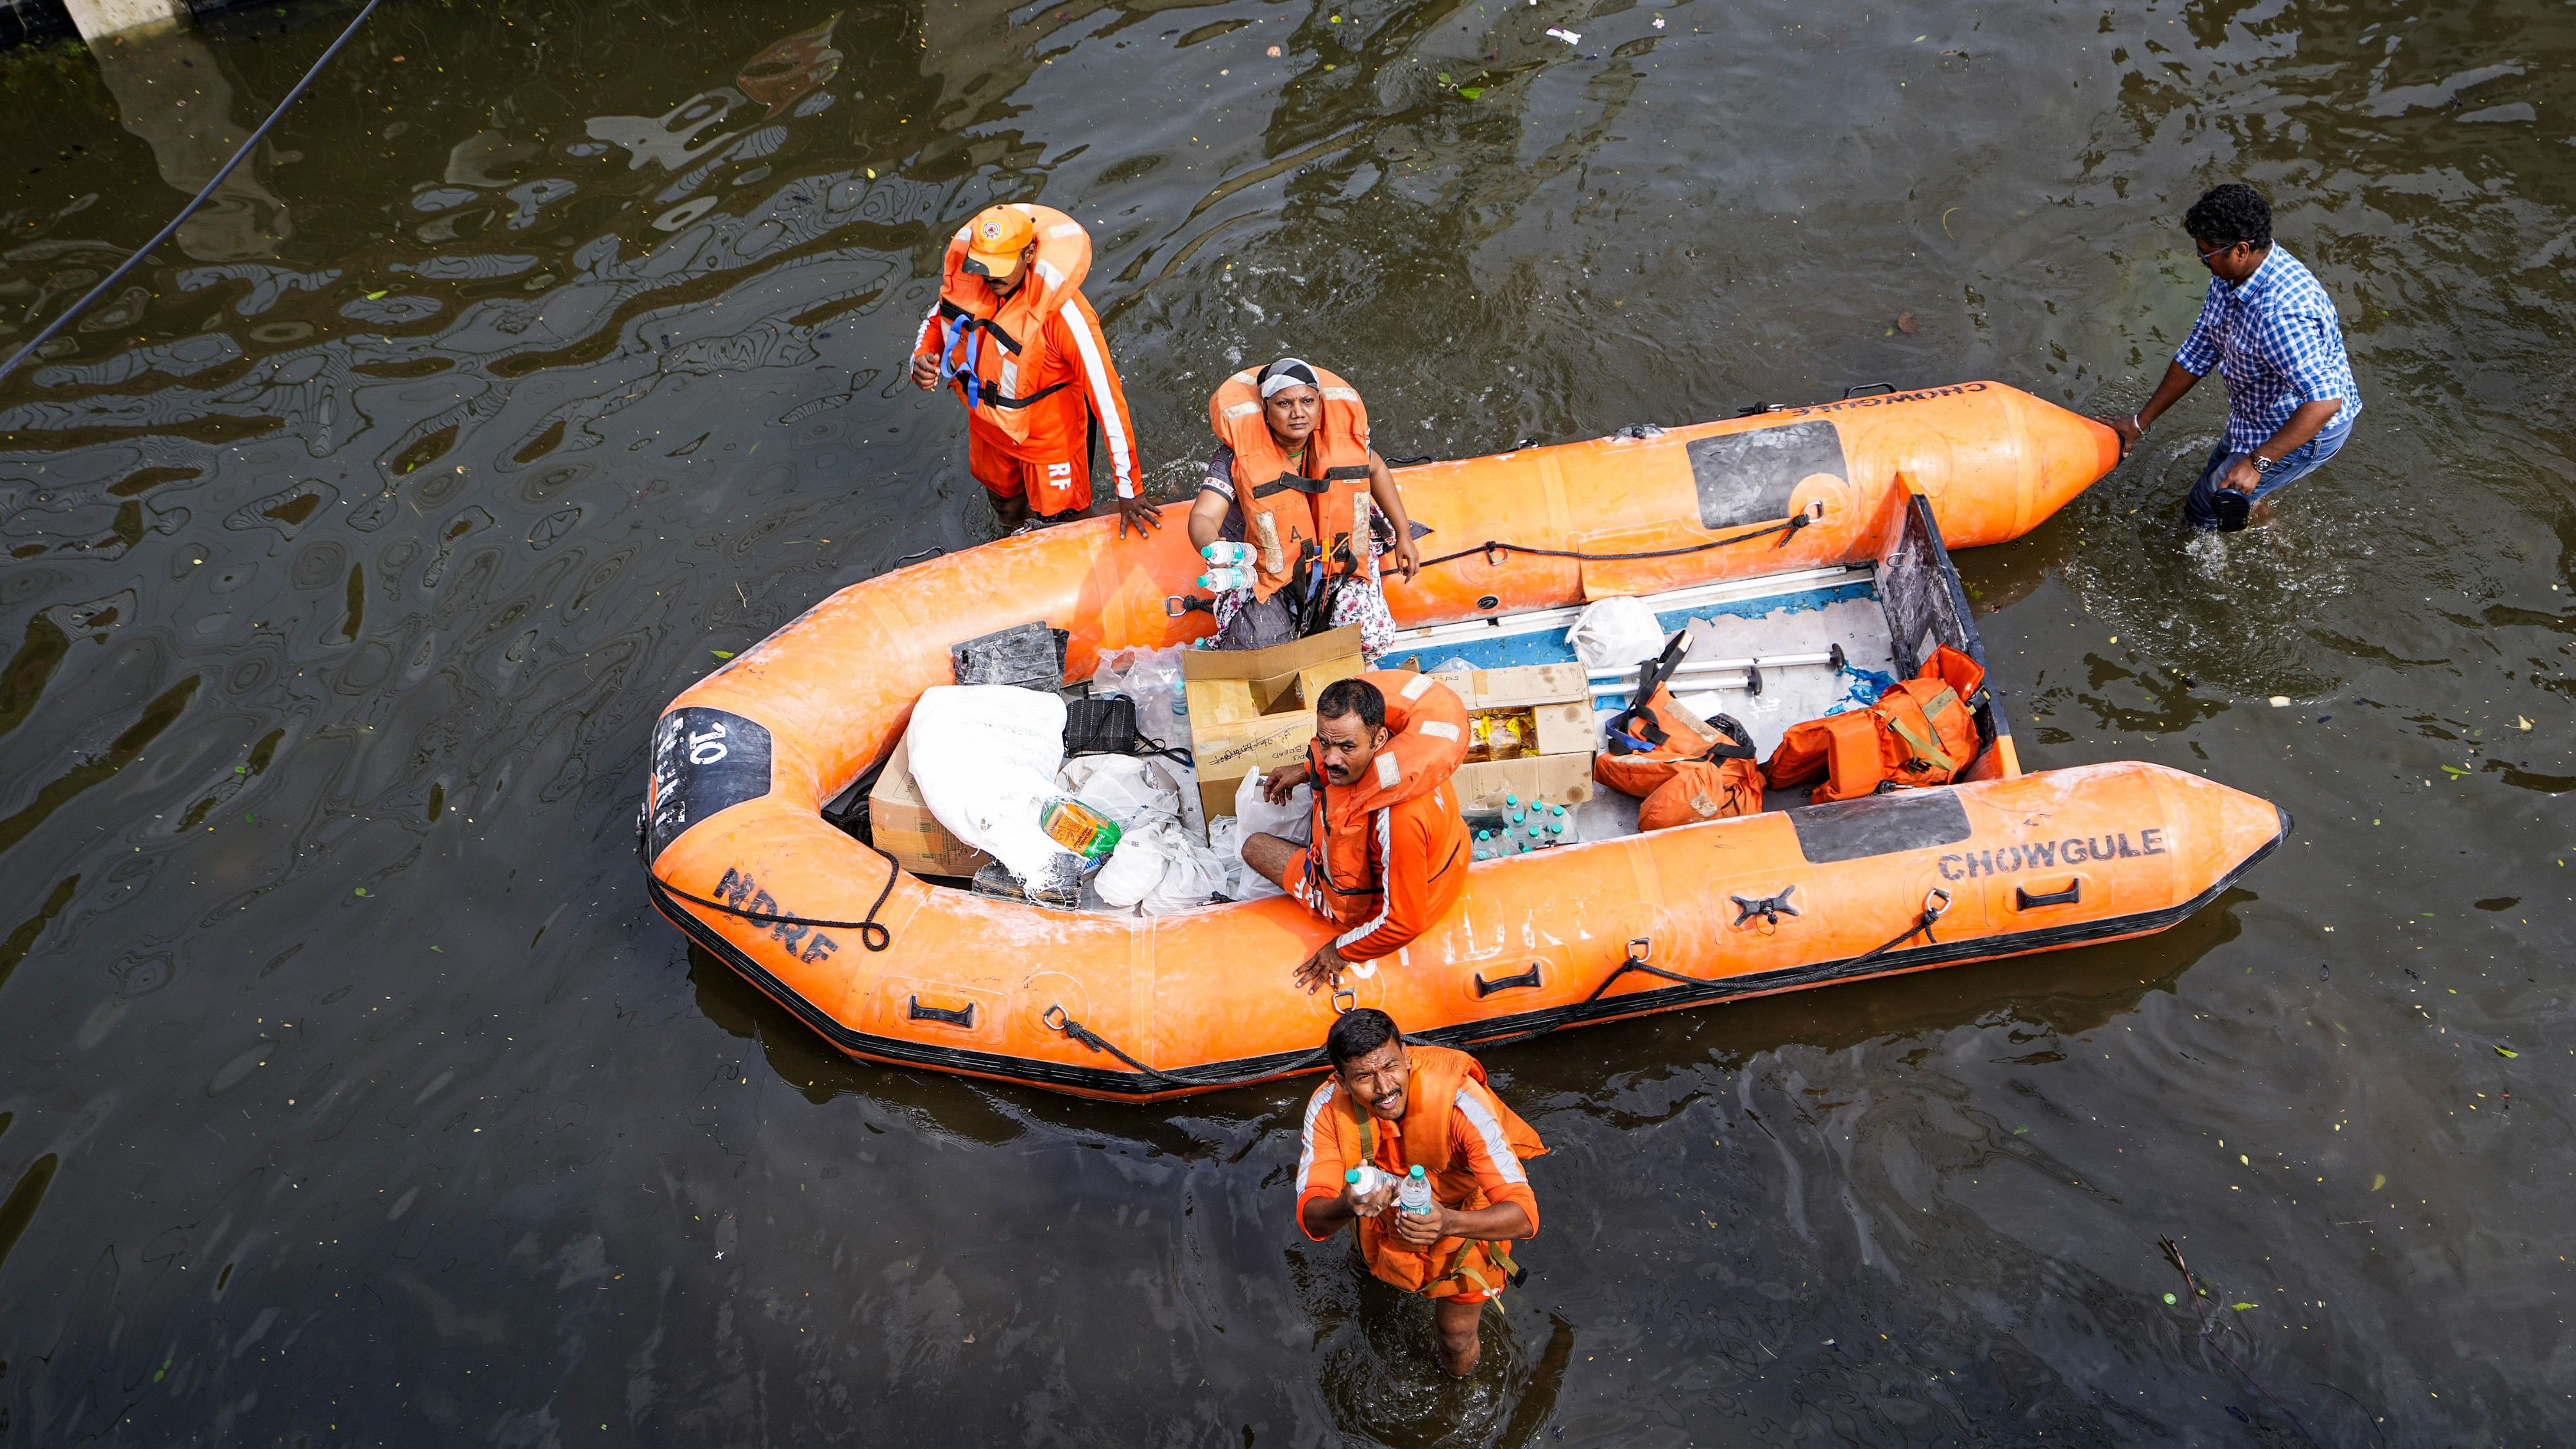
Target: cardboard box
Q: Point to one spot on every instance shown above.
(1253, 709)
(1557, 779)
(1278, 740)
(1558, 696)
(903, 827)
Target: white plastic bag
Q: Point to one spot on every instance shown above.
(1254, 815)
(1133, 791)
(985, 758)
(1162, 867)
(1192, 876)
(1616, 634)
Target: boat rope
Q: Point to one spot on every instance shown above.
(1936, 903)
(872, 934)
(74, 310)
(1058, 1019)
(1493, 548)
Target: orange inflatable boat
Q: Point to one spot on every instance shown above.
(1832, 520)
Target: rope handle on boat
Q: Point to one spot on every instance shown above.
(872, 934)
(1936, 904)
(1639, 950)
(1057, 1019)
(1493, 549)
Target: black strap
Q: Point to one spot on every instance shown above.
(1624, 967)
(1495, 546)
(1056, 1018)
(871, 935)
(978, 324)
(993, 399)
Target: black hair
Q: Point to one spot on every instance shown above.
(1346, 697)
(2226, 215)
(1356, 1033)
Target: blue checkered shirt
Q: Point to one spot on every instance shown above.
(2277, 341)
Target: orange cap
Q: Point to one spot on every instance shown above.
(996, 237)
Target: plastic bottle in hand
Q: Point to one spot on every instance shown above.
(1224, 580)
(1367, 1178)
(1413, 1195)
(1222, 554)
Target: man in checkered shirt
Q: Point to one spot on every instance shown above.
(2271, 331)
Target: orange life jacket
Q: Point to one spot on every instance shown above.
(1720, 741)
(1427, 725)
(988, 344)
(1452, 1265)
(1700, 790)
(1284, 510)
(1921, 732)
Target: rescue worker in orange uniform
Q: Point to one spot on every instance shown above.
(1387, 853)
(1392, 1105)
(1293, 465)
(1014, 336)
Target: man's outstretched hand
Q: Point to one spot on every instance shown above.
(1321, 971)
(1139, 514)
(925, 371)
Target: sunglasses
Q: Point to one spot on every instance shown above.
(2218, 251)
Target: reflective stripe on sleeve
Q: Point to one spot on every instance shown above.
(1095, 353)
(1315, 1106)
(1489, 1130)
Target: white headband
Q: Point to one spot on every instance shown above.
(1286, 373)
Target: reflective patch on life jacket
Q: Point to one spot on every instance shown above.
(1414, 690)
(1440, 729)
(1389, 772)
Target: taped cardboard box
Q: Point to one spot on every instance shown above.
(1558, 697)
(1557, 779)
(903, 827)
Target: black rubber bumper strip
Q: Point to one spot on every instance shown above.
(1244, 1070)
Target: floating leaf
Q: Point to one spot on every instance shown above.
(1905, 323)
(2017, 1131)
(1444, 77)
(2507, 1052)
(1471, 92)
(2171, 1300)
(721, 653)
(2520, 723)
(2240, 1307)
(362, 890)
(2453, 771)
(376, 295)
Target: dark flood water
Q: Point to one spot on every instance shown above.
(350, 1092)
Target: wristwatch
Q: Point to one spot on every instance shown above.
(2261, 463)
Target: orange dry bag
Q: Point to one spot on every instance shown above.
(1286, 512)
(1922, 731)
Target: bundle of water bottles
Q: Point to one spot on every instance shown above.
(1520, 827)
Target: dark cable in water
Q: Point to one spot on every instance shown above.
(65, 320)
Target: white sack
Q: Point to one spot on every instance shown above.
(1162, 866)
(1129, 789)
(1290, 822)
(985, 758)
(1194, 873)
(1616, 634)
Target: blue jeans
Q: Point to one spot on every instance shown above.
(2307, 458)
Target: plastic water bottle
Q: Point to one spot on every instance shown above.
(1228, 555)
(1414, 1194)
(1511, 801)
(1368, 1177)
(1225, 580)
